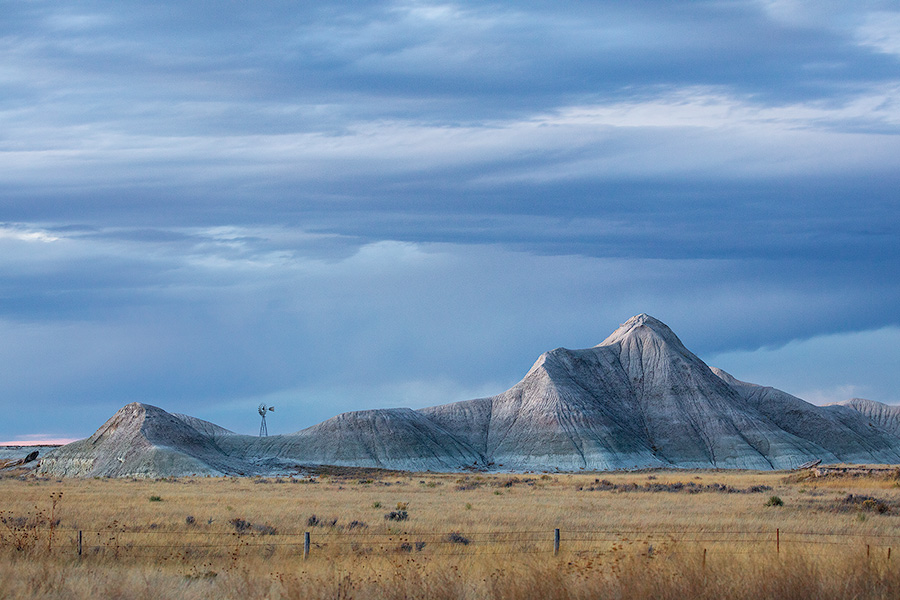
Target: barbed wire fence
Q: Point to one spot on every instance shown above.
(121, 542)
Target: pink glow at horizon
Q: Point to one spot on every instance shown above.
(40, 442)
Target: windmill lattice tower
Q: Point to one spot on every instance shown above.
(263, 430)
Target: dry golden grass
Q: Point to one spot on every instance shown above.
(620, 539)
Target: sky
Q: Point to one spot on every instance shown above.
(337, 206)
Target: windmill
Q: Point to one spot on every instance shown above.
(263, 431)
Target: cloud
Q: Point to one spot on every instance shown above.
(344, 206)
(205, 320)
(400, 110)
(696, 136)
(25, 235)
(881, 30)
(827, 368)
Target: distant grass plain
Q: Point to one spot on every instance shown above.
(380, 534)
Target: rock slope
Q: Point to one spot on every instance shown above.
(145, 441)
(397, 438)
(884, 415)
(639, 399)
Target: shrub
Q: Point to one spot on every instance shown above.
(774, 501)
(190, 520)
(240, 525)
(867, 503)
(396, 515)
(457, 538)
(155, 499)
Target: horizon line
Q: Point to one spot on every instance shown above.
(44, 442)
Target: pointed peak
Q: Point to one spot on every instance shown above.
(642, 324)
(138, 417)
(134, 410)
(137, 411)
(643, 319)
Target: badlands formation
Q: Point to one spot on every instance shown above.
(639, 399)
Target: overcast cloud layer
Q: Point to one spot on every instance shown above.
(337, 206)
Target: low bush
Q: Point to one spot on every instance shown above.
(866, 503)
(457, 538)
(240, 525)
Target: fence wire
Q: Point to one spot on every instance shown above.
(122, 541)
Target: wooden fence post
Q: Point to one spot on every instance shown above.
(778, 541)
(555, 542)
(79, 542)
(704, 558)
(305, 545)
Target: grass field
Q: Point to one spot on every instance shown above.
(396, 535)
